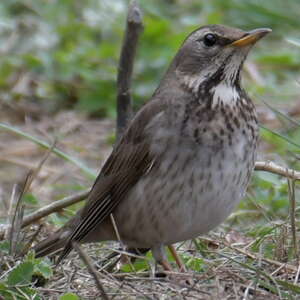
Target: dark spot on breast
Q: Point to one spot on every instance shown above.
(210, 115)
(215, 136)
(229, 127)
(196, 133)
(236, 122)
(196, 136)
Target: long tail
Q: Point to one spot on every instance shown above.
(50, 245)
(57, 241)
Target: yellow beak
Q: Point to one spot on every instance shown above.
(251, 37)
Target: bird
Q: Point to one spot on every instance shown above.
(185, 160)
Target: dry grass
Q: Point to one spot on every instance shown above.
(226, 272)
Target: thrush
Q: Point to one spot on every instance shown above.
(184, 161)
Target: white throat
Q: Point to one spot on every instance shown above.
(225, 93)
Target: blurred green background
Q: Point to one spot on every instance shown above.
(63, 53)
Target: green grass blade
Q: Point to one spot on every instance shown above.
(45, 145)
(284, 116)
(280, 135)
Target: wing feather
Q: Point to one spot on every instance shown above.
(130, 159)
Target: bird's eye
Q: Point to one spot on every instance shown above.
(209, 39)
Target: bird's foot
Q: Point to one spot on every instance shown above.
(182, 278)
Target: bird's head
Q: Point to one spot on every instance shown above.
(214, 53)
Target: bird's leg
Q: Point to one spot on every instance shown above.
(159, 254)
(166, 265)
(180, 264)
(178, 260)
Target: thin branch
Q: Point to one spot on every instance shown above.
(10, 215)
(271, 167)
(16, 213)
(54, 207)
(17, 221)
(134, 26)
(91, 269)
(292, 198)
(49, 209)
(113, 221)
(256, 257)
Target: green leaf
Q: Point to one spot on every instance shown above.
(289, 286)
(139, 265)
(69, 296)
(30, 199)
(270, 178)
(280, 59)
(43, 268)
(4, 291)
(4, 247)
(21, 274)
(193, 263)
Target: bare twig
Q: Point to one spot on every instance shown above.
(16, 216)
(288, 267)
(34, 172)
(113, 221)
(297, 275)
(53, 207)
(134, 27)
(17, 219)
(12, 205)
(91, 269)
(271, 167)
(292, 198)
(49, 209)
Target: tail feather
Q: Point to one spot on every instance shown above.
(58, 241)
(65, 252)
(50, 245)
